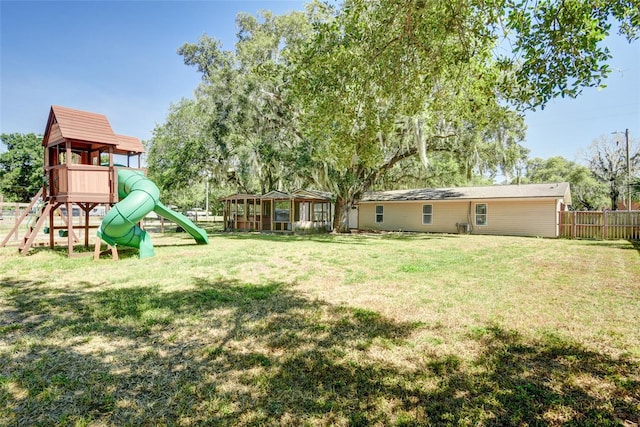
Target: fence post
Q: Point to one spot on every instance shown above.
(573, 225)
(604, 225)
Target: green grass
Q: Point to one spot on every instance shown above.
(384, 329)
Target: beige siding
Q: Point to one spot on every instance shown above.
(504, 217)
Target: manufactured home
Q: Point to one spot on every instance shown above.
(516, 210)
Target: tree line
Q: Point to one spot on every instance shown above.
(384, 95)
(600, 182)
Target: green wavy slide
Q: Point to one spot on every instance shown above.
(138, 196)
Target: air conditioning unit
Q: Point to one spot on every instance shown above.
(463, 227)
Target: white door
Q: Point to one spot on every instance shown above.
(353, 217)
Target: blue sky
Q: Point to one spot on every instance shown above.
(119, 58)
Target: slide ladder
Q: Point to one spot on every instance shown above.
(34, 222)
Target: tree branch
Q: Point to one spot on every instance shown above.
(375, 174)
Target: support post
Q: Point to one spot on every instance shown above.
(272, 210)
(69, 228)
(52, 228)
(98, 250)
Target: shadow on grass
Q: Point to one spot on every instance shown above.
(287, 237)
(346, 238)
(231, 353)
(615, 244)
(124, 252)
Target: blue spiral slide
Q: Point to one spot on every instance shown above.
(138, 196)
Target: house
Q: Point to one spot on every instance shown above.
(623, 205)
(517, 210)
(278, 211)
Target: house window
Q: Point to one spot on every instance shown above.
(379, 213)
(481, 214)
(427, 214)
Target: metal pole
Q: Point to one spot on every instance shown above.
(626, 134)
(206, 203)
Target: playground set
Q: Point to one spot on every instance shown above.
(80, 173)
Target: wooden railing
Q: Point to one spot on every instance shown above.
(83, 183)
(605, 225)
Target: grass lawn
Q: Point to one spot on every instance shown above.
(322, 330)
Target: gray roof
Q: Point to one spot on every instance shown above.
(298, 194)
(275, 194)
(553, 190)
(312, 194)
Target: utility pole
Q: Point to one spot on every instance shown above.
(626, 136)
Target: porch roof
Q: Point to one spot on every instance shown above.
(240, 196)
(299, 194)
(312, 195)
(277, 195)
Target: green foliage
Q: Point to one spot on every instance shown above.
(240, 130)
(187, 197)
(21, 166)
(382, 83)
(558, 46)
(179, 150)
(434, 66)
(587, 192)
(347, 98)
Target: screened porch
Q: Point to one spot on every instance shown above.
(277, 211)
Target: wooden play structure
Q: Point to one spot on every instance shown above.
(277, 211)
(79, 175)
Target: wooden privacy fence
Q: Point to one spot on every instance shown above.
(611, 225)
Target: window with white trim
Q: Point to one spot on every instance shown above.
(481, 214)
(379, 213)
(427, 214)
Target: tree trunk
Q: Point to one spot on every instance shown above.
(341, 216)
(614, 194)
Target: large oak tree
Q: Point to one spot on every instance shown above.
(240, 130)
(438, 66)
(345, 97)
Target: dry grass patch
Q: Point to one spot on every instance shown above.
(324, 330)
